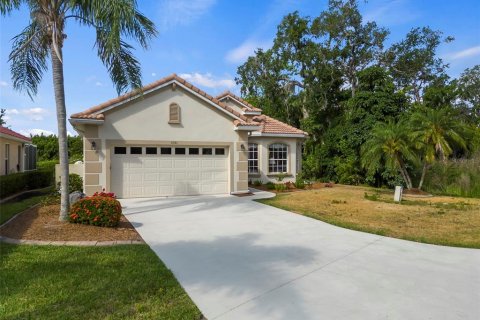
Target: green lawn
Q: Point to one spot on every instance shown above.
(119, 282)
(8, 210)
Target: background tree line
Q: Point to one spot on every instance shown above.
(376, 115)
(47, 148)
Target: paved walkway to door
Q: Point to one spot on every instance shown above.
(239, 259)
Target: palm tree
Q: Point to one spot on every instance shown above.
(390, 144)
(436, 129)
(113, 21)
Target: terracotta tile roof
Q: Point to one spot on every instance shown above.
(271, 125)
(249, 107)
(93, 112)
(14, 134)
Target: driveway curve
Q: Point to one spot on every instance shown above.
(239, 259)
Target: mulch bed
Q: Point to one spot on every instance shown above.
(41, 223)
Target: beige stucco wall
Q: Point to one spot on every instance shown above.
(293, 163)
(14, 160)
(145, 122)
(76, 168)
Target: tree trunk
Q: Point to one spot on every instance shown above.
(405, 174)
(58, 86)
(422, 178)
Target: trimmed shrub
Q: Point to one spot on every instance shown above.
(105, 194)
(270, 185)
(257, 183)
(75, 183)
(299, 182)
(280, 187)
(97, 211)
(23, 181)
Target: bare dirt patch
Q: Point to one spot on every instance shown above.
(41, 223)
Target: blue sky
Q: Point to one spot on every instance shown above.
(206, 40)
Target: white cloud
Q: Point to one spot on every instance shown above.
(38, 132)
(183, 12)
(245, 50)
(12, 111)
(3, 83)
(208, 80)
(98, 84)
(466, 53)
(154, 74)
(35, 114)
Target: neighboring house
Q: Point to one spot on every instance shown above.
(175, 139)
(17, 154)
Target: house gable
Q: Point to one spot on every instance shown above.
(148, 118)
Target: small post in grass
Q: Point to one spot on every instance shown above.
(397, 197)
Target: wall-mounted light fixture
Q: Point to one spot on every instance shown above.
(242, 146)
(94, 145)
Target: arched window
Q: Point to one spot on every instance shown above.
(277, 158)
(174, 115)
(252, 158)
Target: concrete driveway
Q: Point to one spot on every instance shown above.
(239, 259)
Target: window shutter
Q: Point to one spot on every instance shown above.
(174, 113)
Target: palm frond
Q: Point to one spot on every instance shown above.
(28, 59)
(7, 6)
(123, 68)
(115, 21)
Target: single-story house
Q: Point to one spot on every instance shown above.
(17, 153)
(175, 139)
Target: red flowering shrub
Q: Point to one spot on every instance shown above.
(103, 211)
(104, 194)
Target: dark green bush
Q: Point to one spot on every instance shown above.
(47, 164)
(270, 185)
(257, 183)
(75, 183)
(280, 187)
(22, 181)
(97, 211)
(299, 182)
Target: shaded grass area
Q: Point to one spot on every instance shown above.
(438, 220)
(120, 282)
(8, 210)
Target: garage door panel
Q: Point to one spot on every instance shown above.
(168, 175)
(166, 163)
(180, 164)
(207, 163)
(165, 176)
(194, 163)
(151, 177)
(150, 164)
(220, 164)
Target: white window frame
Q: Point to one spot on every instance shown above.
(277, 158)
(253, 161)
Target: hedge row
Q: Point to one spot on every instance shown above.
(23, 181)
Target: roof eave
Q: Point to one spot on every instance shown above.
(247, 128)
(74, 121)
(7, 136)
(163, 85)
(282, 135)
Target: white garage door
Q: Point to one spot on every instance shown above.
(138, 171)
